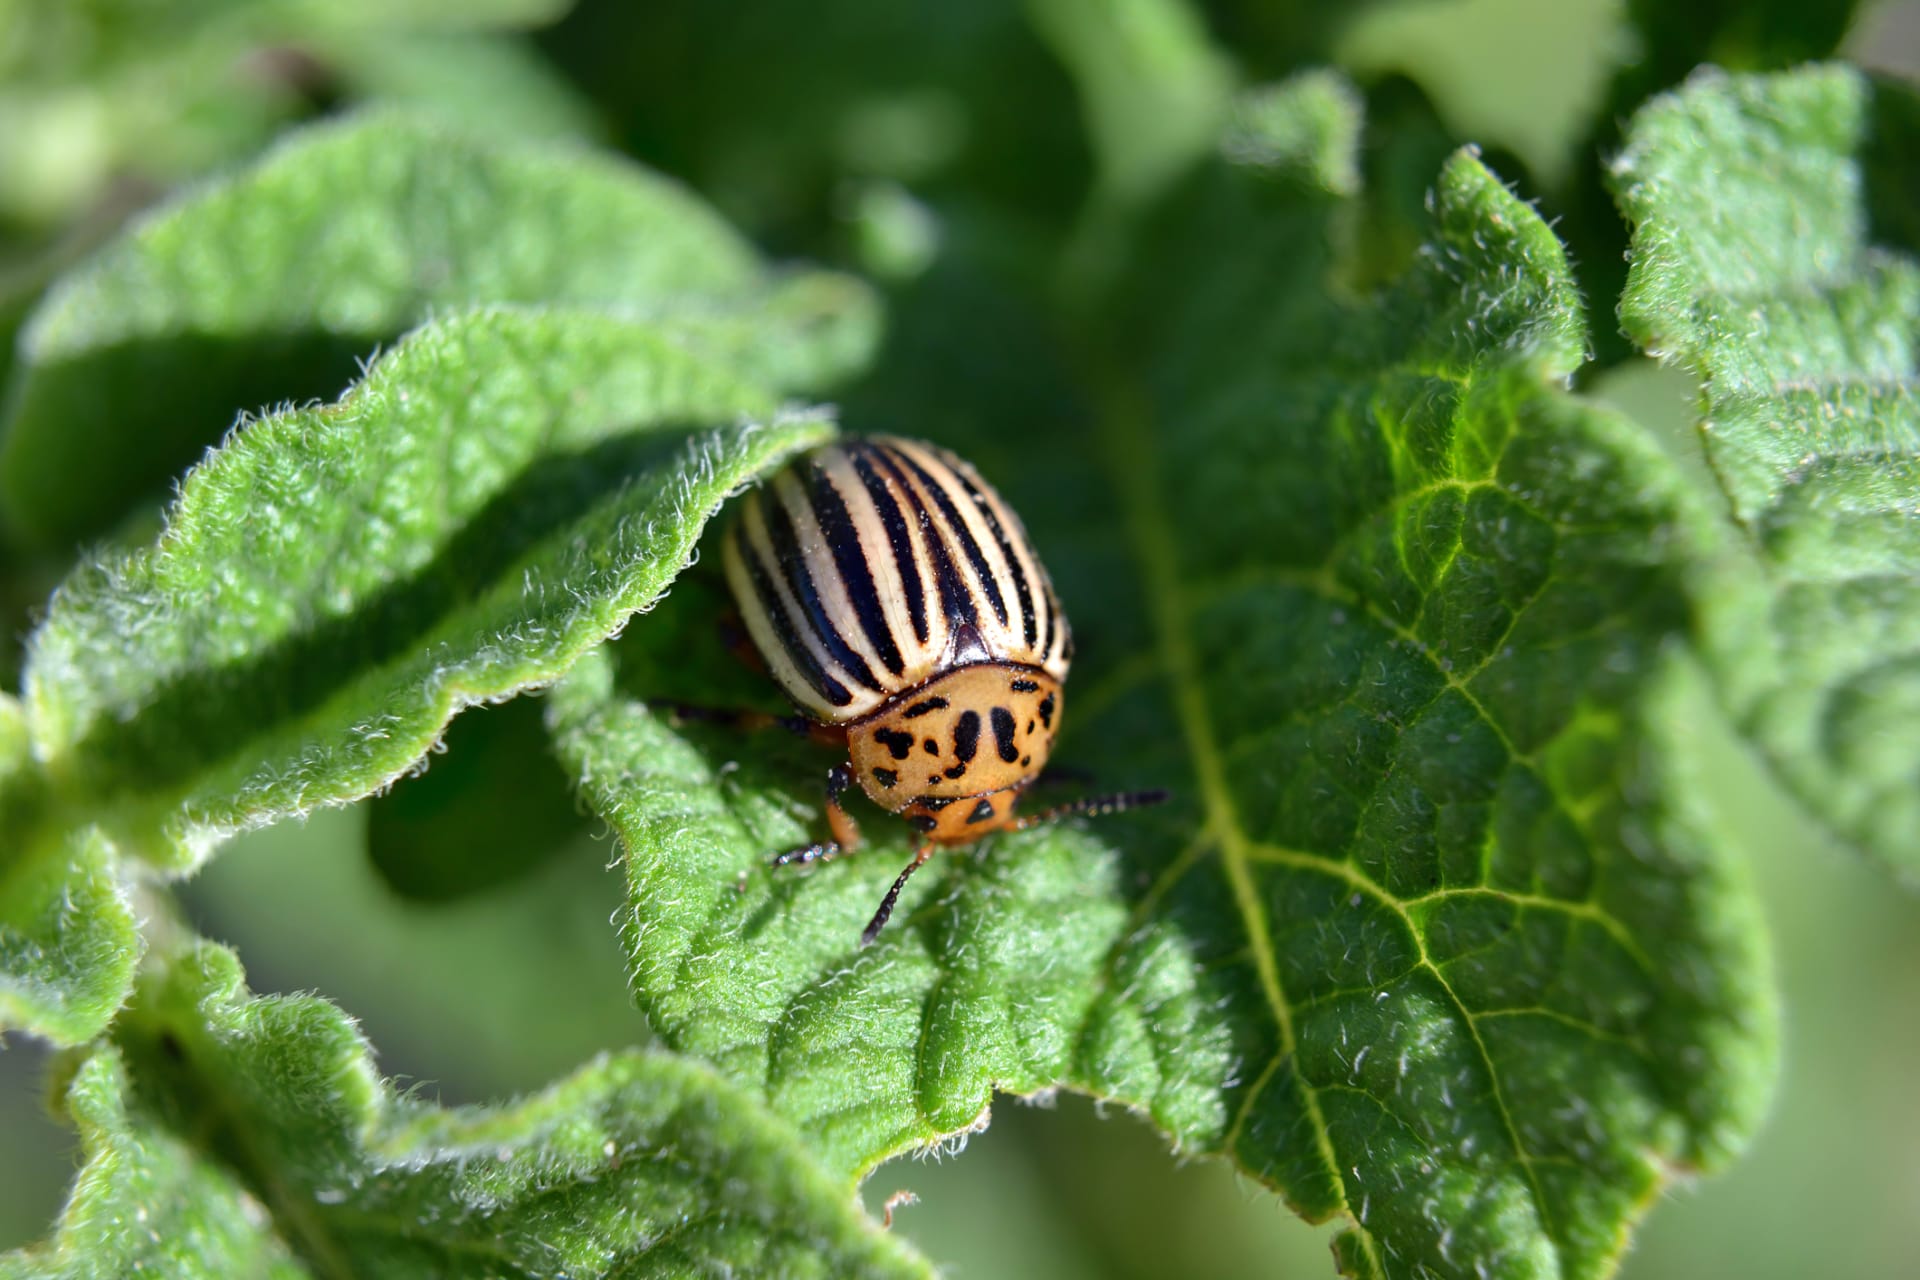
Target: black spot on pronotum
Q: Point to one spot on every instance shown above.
(966, 735)
(1025, 761)
(888, 778)
(896, 742)
(931, 747)
(1029, 728)
(956, 771)
(923, 706)
(1025, 686)
(1003, 728)
(1046, 711)
(923, 822)
(982, 812)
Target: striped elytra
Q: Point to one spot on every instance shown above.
(897, 602)
(870, 565)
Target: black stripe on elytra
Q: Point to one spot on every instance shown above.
(982, 812)
(894, 521)
(856, 571)
(1020, 587)
(793, 564)
(1064, 639)
(955, 600)
(966, 736)
(1003, 727)
(964, 537)
(1046, 711)
(935, 703)
(783, 629)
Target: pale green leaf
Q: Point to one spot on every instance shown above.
(488, 82)
(242, 1134)
(499, 493)
(1753, 271)
(68, 944)
(102, 100)
(1432, 937)
(68, 941)
(267, 286)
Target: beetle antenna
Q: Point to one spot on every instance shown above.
(885, 912)
(1095, 806)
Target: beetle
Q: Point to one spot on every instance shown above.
(897, 602)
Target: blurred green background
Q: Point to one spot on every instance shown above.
(940, 149)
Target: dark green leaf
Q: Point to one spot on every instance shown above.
(1753, 271)
(770, 109)
(242, 1133)
(1432, 936)
(1275, 37)
(1665, 43)
(268, 286)
(1152, 88)
(500, 493)
(493, 807)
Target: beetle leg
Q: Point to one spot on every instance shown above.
(827, 735)
(846, 832)
(885, 912)
(1094, 806)
(733, 634)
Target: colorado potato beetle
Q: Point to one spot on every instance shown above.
(896, 601)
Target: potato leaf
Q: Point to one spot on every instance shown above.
(498, 495)
(1432, 938)
(232, 1135)
(1754, 272)
(266, 288)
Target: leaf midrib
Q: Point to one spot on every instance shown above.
(1125, 422)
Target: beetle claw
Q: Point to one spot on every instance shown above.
(807, 854)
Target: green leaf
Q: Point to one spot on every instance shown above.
(487, 82)
(268, 286)
(1671, 40)
(1152, 88)
(499, 493)
(255, 1131)
(1753, 271)
(100, 100)
(145, 1201)
(1663, 43)
(68, 944)
(771, 117)
(493, 807)
(1433, 936)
